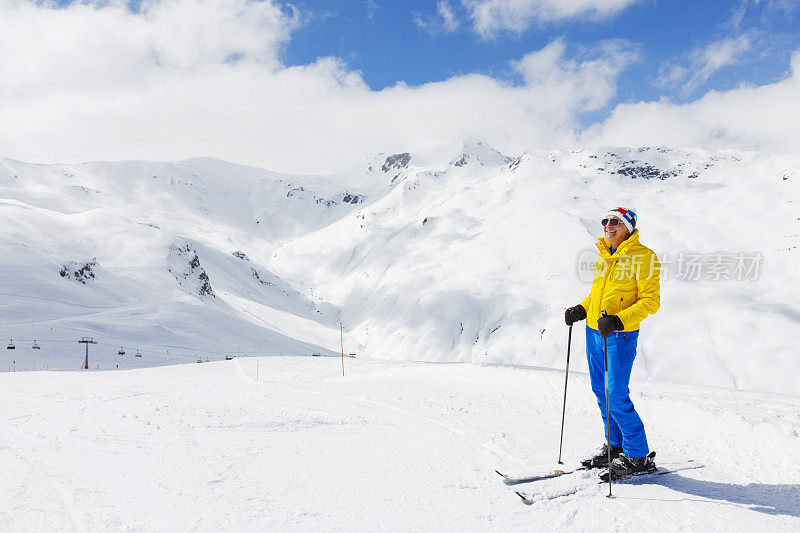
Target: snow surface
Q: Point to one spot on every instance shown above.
(449, 270)
(391, 446)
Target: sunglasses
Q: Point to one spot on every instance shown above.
(612, 221)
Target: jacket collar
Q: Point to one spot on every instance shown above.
(605, 247)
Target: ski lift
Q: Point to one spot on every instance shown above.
(138, 354)
(35, 345)
(199, 359)
(229, 358)
(121, 351)
(11, 345)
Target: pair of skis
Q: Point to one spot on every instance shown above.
(530, 498)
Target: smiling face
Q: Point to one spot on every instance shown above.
(616, 234)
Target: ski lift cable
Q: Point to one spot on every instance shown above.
(156, 347)
(175, 350)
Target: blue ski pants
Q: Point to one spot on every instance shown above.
(625, 428)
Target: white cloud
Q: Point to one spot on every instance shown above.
(190, 78)
(445, 20)
(749, 118)
(85, 47)
(744, 10)
(492, 16)
(450, 21)
(591, 83)
(698, 65)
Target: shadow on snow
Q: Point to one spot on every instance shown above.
(769, 499)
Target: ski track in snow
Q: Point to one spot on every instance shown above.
(390, 446)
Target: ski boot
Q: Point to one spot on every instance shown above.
(624, 466)
(601, 459)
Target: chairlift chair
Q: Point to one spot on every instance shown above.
(35, 345)
(138, 354)
(121, 351)
(11, 345)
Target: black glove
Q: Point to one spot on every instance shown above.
(609, 324)
(574, 314)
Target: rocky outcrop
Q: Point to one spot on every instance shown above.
(184, 264)
(80, 271)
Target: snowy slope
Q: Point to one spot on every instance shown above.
(392, 446)
(159, 257)
(473, 257)
(459, 253)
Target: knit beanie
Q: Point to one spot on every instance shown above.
(627, 216)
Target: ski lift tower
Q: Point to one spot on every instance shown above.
(87, 341)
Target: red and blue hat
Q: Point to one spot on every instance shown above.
(627, 216)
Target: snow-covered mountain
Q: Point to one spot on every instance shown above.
(459, 253)
(160, 257)
(476, 261)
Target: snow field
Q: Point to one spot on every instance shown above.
(390, 446)
(455, 254)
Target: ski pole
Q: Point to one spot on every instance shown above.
(564, 409)
(608, 415)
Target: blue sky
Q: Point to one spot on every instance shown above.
(382, 40)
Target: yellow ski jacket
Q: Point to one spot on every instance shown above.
(626, 283)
